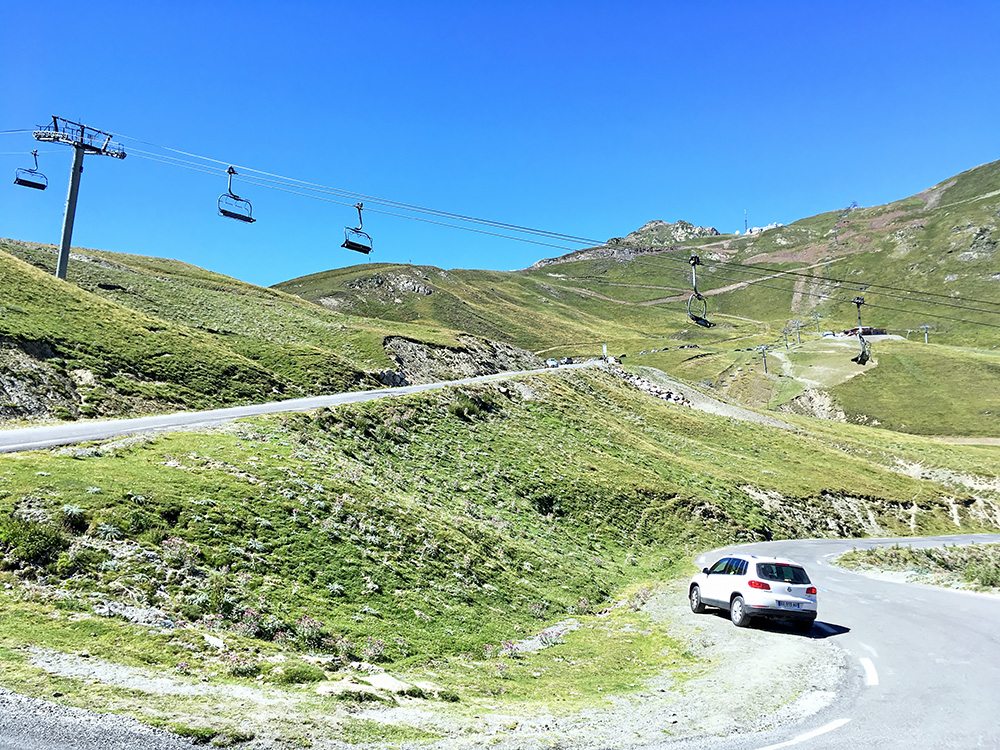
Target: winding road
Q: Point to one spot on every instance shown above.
(67, 433)
(926, 661)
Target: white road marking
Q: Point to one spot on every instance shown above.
(869, 649)
(824, 626)
(871, 675)
(808, 735)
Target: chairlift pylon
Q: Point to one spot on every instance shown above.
(31, 178)
(232, 206)
(865, 354)
(697, 305)
(354, 238)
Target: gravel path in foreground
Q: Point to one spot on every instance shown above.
(770, 677)
(32, 724)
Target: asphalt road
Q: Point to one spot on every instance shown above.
(926, 661)
(66, 433)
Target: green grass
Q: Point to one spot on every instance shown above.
(132, 334)
(424, 532)
(976, 565)
(926, 390)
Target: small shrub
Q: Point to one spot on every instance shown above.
(241, 665)
(308, 632)
(374, 650)
(108, 532)
(551, 637)
(639, 598)
(29, 541)
(297, 672)
(72, 518)
(84, 560)
(449, 696)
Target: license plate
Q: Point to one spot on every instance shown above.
(789, 605)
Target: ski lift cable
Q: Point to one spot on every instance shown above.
(157, 158)
(252, 181)
(293, 182)
(284, 184)
(765, 269)
(914, 295)
(843, 300)
(195, 167)
(434, 212)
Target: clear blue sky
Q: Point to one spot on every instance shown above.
(578, 117)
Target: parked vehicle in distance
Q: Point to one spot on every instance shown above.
(551, 362)
(566, 361)
(751, 586)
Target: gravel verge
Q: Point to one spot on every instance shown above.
(32, 724)
(793, 677)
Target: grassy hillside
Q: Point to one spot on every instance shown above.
(941, 242)
(423, 533)
(135, 334)
(933, 256)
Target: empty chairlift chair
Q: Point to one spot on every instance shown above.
(232, 206)
(31, 178)
(697, 305)
(354, 238)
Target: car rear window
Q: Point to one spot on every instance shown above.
(780, 572)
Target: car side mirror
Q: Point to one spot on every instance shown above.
(705, 571)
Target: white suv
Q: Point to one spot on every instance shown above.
(750, 586)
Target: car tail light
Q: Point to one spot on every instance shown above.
(811, 590)
(760, 585)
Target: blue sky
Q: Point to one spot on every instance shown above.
(583, 118)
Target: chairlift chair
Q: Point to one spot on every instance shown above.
(697, 305)
(354, 238)
(697, 308)
(31, 178)
(232, 206)
(865, 354)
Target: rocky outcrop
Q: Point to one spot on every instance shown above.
(419, 363)
(32, 383)
(391, 284)
(664, 233)
(654, 236)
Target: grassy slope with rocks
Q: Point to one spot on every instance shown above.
(136, 334)
(940, 242)
(975, 566)
(422, 535)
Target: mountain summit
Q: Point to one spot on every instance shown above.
(664, 233)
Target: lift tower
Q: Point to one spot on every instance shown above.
(84, 140)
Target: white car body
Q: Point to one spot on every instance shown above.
(753, 586)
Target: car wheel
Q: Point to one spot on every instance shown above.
(738, 612)
(697, 605)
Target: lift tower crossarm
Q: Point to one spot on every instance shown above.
(84, 140)
(91, 140)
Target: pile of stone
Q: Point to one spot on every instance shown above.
(648, 386)
(391, 378)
